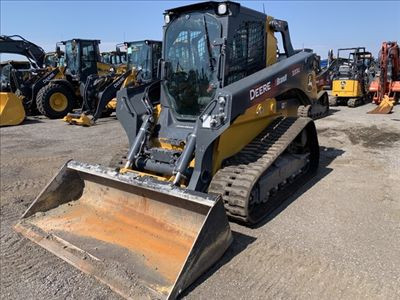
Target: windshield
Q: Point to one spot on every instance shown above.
(71, 57)
(191, 60)
(139, 57)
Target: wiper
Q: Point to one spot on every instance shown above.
(210, 60)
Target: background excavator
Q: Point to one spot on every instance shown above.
(221, 134)
(325, 75)
(385, 88)
(350, 80)
(99, 92)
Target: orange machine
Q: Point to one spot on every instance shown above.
(386, 87)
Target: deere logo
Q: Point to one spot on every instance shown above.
(343, 83)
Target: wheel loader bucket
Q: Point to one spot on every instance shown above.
(143, 238)
(12, 111)
(385, 107)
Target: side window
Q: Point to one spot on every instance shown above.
(88, 52)
(246, 51)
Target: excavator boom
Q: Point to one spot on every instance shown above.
(386, 88)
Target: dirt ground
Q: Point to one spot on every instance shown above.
(337, 237)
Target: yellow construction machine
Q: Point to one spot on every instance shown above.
(55, 80)
(61, 89)
(17, 77)
(221, 134)
(12, 106)
(350, 80)
(99, 92)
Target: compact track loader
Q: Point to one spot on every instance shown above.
(385, 88)
(350, 80)
(99, 92)
(221, 134)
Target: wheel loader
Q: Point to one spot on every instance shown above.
(99, 96)
(61, 91)
(385, 88)
(350, 81)
(221, 135)
(18, 78)
(54, 91)
(12, 110)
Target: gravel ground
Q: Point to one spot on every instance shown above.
(337, 237)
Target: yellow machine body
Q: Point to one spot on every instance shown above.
(346, 88)
(12, 111)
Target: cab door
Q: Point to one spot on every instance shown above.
(89, 57)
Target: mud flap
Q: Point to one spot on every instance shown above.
(141, 237)
(385, 107)
(12, 111)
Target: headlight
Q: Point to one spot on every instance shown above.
(222, 9)
(167, 18)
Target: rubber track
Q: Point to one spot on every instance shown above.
(354, 102)
(306, 112)
(235, 181)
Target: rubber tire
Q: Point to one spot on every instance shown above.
(43, 100)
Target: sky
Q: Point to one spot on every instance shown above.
(319, 25)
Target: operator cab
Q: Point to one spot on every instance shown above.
(354, 62)
(81, 57)
(144, 56)
(197, 60)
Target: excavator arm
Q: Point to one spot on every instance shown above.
(387, 86)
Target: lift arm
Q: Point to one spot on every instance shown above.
(15, 44)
